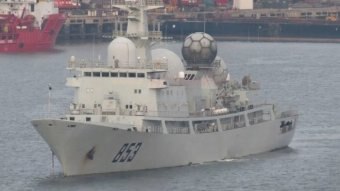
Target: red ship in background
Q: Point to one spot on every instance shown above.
(29, 25)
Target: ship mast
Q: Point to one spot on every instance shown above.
(137, 26)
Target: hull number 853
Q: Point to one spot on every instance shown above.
(127, 152)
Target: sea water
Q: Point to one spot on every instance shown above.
(302, 76)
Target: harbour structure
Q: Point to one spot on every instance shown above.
(87, 27)
(146, 108)
(97, 25)
(67, 4)
(29, 25)
(304, 24)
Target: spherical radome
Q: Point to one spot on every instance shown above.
(197, 36)
(205, 42)
(187, 42)
(205, 53)
(199, 48)
(196, 47)
(175, 64)
(122, 53)
(208, 37)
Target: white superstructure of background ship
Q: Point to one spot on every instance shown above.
(149, 109)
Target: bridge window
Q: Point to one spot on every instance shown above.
(122, 75)
(140, 75)
(105, 74)
(114, 74)
(154, 75)
(88, 74)
(96, 74)
(132, 75)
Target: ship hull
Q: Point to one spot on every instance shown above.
(85, 148)
(33, 39)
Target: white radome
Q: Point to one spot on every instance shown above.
(199, 48)
(221, 72)
(175, 64)
(122, 53)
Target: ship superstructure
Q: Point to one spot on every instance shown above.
(148, 109)
(29, 25)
